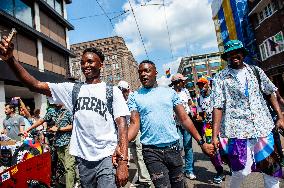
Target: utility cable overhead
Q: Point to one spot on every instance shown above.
(138, 29)
(105, 13)
(124, 12)
(167, 26)
(96, 15)
(115, 47)
(109, 13)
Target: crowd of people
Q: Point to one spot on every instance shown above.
(237, 112)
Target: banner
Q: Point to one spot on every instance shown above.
(37, 168)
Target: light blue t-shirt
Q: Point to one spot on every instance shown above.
(155, 107)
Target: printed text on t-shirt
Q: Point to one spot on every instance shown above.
(91, 103)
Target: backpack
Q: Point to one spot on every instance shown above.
(109, 96)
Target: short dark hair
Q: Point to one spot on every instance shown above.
(148, 62)
(96, 51)
(11, 106)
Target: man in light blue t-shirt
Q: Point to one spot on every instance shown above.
(152, 111)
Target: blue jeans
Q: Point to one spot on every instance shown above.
(186, 144)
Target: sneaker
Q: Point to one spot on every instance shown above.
(191, 176)
(219, 178)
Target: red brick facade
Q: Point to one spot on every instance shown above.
(268, 27)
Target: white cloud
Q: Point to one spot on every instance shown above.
(163, 81)
(172, 65)
(188, 21)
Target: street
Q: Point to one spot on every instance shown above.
(205, 172)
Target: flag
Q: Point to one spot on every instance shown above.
(272, 45)
(278, 38)
(168, 73)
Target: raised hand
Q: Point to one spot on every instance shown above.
(6, 48)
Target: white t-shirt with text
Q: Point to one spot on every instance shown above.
(94, 134)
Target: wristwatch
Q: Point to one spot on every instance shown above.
(201, 142)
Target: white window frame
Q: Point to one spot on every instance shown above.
(266, 46)
(270, 11)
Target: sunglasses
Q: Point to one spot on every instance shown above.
(177, 82)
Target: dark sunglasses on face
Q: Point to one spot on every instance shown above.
(176, 82)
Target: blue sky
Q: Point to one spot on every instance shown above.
(191, 28)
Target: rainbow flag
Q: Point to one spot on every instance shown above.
(168, 73)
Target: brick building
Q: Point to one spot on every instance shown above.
(41, 45)
(267, 17)
(196, 66)
(119, 62)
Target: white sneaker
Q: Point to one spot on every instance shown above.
(191, 176)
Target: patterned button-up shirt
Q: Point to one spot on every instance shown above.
(243, 116)
(206, 107)
(62, 118)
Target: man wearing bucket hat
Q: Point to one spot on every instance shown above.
(178, 83)
(240, 113)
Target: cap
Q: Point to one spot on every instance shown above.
(123, 85)
(178, 76)
(202, 80)
(232, 45)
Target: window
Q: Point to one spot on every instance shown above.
(7, 6)
(19, 9)
(108, 66)
(200, 67)
(214, 64)
(266, 12)
(271, 46)
(118, 76)
(56, 5)
(23, 12)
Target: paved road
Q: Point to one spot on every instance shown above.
(205, 172)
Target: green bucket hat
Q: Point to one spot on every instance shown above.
(232, 45)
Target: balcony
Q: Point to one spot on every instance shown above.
(257, 6)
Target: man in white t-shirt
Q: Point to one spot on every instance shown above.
(94, 135)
